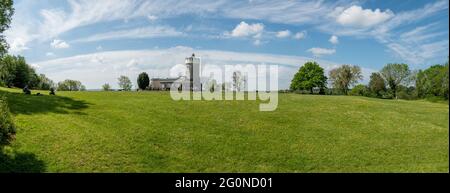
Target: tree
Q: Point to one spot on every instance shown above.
(8, 70)
(45, 83)
(377, 85)
(433, 81)
(125, 83)
(14, 71)
(309, 76)
(237, 81)
(106, 87)
(6, 12)
(71, 85)
(40, 82)
(143, 81)
(396, 75)
(345, 76)
(445, 85)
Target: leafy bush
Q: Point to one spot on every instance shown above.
(7, 128)
(407, 93)
(359, 90)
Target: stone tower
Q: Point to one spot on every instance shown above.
(193, 72)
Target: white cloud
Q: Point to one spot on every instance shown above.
(300, 35)
(283, 34)
(356, 16)
(257, 42)
(400, 33)
(137, 33)
(321, 51)
(152, 17)
(244, 30)
(18, 45)
(383, 25)
(49, 54)
(334, 39)
(59, 44)
(99, 48)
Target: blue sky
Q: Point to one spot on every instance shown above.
(97, 41)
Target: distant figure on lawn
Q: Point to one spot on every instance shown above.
(26, 90)
(52, 91)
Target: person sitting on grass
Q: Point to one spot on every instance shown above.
(26, 90)
(52, 91)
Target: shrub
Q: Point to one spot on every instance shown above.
(407, 93)
(359, 90)
(7, 128)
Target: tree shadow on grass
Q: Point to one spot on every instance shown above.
(20, 163)
(29, 104)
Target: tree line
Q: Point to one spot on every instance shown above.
(16, 72)
(392, 81)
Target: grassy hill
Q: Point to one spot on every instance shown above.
(149, 132)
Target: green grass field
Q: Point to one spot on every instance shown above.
(149, 132)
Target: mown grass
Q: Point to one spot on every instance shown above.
(149, 132)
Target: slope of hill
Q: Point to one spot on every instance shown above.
(149, 132)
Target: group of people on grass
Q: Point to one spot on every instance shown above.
(27, 91)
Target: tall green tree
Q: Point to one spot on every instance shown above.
(445, 85)
(6, 12)
(44, 83)
(377, 85)
(309, 76)
(143, 81)
(14, 71)
(125, 83)
(396, 75)
(433, 81)
(345, 76)
(70, 85)
(8, 70)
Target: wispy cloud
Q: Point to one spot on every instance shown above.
(59, 44)
(137, 33)
(300, 35)
(283, 34)
(340, 18)
(334, 40)
(318, 52)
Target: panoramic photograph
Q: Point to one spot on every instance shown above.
(224, 86)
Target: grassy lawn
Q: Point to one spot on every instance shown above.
(149, 132)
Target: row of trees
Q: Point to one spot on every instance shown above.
(15, 72)
(393, 81)
(125, 83)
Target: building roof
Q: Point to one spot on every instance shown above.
(165, 79)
